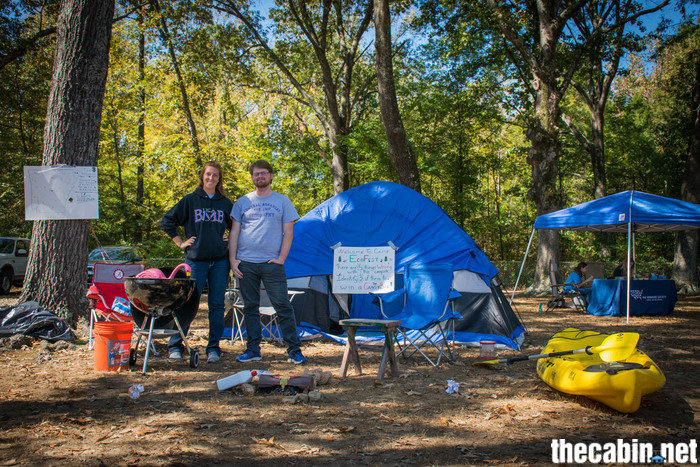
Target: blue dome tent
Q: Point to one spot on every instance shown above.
(381, 213)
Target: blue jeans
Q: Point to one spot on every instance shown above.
(216, 273)
(274, 278)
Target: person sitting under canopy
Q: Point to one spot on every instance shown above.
(621, 270)
(577, 280)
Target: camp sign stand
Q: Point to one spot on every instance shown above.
(363, 270)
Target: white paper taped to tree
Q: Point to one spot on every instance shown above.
(361, 270)
(60, 192)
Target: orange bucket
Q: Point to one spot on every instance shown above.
(112, 345)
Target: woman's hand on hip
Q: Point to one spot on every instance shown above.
(187, 242)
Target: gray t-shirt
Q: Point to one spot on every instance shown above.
(261, 222)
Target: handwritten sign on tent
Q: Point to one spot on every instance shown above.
(361, 270)
(60, 192)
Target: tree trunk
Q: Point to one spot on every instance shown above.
(597, 150)
(399, 150)
(543, 155)
(339, 164)
(685, 259)
(57, 270)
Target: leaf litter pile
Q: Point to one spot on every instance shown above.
(55, 409)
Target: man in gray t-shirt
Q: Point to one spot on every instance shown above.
(259, 242)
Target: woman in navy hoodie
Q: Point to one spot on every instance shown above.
(205, 216)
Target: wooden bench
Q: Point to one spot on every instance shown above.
(387, 327)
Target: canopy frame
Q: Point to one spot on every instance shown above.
(628, 211)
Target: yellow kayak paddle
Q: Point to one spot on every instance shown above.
(615, 348)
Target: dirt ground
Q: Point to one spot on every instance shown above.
(55, 409)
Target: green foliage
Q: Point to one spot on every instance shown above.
(24, 88)
(471, 161)
(458, 94)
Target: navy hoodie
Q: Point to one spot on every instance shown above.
(202, 217)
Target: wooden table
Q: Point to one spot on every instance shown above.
(387, 327)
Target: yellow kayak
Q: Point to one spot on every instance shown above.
(619, 385)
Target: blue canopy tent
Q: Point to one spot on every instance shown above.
(381, 213)
(629, 211)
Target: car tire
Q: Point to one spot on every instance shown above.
(5, 282)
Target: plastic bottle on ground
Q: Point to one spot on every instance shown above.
(245, 376)
(135, 391)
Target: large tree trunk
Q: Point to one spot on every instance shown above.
(400, 151)
(339, 164)
(543, 156)
(685, 259)
(542, 130)
(57, 270)
(597, 151)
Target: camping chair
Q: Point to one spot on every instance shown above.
(268, 319)
(562, 294)
(427, 313)
(107, 295)
(234, 304)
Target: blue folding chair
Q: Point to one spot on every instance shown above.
(427, 313)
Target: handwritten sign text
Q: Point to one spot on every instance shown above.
(361, 270)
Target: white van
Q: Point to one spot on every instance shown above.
(13, 262)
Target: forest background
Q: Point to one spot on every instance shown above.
(192, 81)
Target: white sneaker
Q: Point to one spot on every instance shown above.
(175, 354)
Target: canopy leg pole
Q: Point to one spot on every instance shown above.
(522, 265)
(629, 279)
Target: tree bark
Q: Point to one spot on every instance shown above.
(685, 259)
(399, 149)
(545, 147)
(57, 270)
(544, 152)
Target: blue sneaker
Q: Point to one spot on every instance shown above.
(297, 358)
(249, 356)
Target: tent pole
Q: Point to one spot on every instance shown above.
(629, 282)
(629, 250)
(522, 265)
